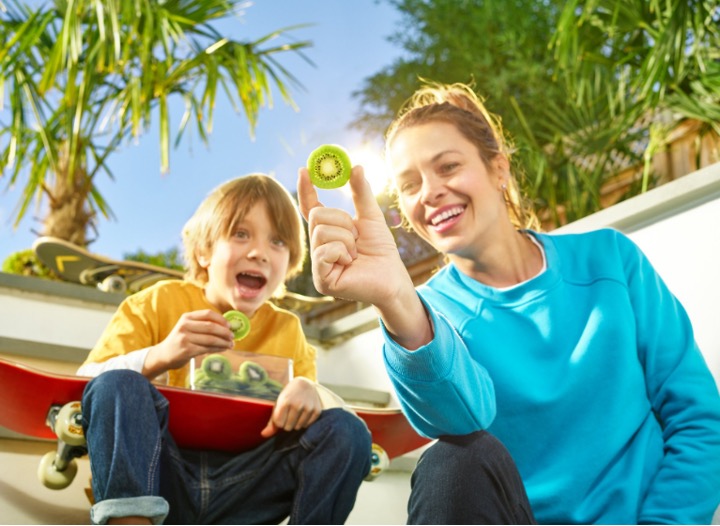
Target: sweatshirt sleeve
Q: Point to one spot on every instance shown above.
(441, 389)
(683, 395)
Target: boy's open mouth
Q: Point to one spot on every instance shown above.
(251, 281)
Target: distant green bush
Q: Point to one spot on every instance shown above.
(26, 263)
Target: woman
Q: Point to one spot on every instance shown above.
(569, 349)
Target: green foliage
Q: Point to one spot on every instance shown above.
(25, 263)
(170, 258)
(82, 78)
(500, 47)
(584, 88)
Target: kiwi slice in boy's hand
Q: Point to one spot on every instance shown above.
(329, 166)
(239, 323)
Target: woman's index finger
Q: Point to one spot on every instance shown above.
(307, 194)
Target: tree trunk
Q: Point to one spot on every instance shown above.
(69, 215)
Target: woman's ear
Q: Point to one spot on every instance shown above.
(501, 170)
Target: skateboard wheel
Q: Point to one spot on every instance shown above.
(113, 284)
(68, 427)
(379, 461)
(51, 477)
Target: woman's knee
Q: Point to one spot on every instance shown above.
(468, 479)
(466, 452)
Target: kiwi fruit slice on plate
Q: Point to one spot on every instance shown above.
(329, 166)
(239, 323)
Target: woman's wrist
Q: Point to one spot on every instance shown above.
(407, 320)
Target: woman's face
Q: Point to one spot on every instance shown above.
(448, 195)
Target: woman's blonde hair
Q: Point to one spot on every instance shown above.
(459, 105)
(218, 215)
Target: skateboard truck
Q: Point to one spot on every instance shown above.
(57, 469)
(111, 283)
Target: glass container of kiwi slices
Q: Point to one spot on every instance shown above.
(242, 373)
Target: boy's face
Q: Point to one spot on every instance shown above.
(245, 269)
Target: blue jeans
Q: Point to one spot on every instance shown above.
(312, 476)
(469, 479)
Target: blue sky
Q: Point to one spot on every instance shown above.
(349, 44)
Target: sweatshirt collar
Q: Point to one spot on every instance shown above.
(522, 292)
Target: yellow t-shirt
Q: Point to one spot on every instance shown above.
(147, 317)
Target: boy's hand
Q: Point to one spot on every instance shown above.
(297, 407)
(195, 333)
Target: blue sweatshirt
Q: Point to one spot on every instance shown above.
(588, 373)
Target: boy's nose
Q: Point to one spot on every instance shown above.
(258, 252)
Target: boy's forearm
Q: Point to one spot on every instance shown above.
(153, 366)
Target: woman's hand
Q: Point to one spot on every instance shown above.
(358, 259)
(352, 258)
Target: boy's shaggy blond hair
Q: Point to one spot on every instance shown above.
(218, 215)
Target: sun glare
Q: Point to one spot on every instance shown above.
(370, 158)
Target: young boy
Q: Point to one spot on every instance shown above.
(243, 242)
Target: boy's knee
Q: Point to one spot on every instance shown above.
(348, 425)
(343, 427)
(117, 379)
(114, 385)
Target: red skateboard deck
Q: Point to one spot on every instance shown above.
(198, 420)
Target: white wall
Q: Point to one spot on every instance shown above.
(678, 228)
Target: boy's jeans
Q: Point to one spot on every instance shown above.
(312, 476)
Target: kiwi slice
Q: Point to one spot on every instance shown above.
(239, 323)
(216, 367)
(329, 166)
(252, 373)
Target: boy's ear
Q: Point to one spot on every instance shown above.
(203, 260)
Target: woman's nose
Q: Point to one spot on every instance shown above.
(432, 189)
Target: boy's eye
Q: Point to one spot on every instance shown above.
(241, 234)
(279, 242)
